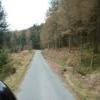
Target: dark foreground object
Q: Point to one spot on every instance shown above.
(5, 92)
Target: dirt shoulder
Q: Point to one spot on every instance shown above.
(20, 62)
(85, 87)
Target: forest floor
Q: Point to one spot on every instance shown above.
(86, 87)
(20, 62)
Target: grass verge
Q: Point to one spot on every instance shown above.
(87, 86)
(19, 63)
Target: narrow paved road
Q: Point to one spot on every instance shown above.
(41, 83)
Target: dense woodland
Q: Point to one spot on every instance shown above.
(72, 24)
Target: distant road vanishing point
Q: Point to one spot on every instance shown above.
(41, 83)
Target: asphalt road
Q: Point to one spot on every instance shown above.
(41, 83)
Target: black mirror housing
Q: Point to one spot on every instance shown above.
(5, 92)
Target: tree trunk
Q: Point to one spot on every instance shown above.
(92, 60)
(69, 43)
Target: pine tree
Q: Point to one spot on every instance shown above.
(3, 26)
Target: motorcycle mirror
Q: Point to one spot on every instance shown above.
(5, 92)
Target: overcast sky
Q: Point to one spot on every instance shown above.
(22, 14)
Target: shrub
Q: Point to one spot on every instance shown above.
(3, 59)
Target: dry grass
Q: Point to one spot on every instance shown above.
(20, 63)
(87, 87)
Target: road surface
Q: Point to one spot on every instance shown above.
(41, 83)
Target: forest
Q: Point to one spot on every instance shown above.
(15, 42)
(71, 35)
(72, 24)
